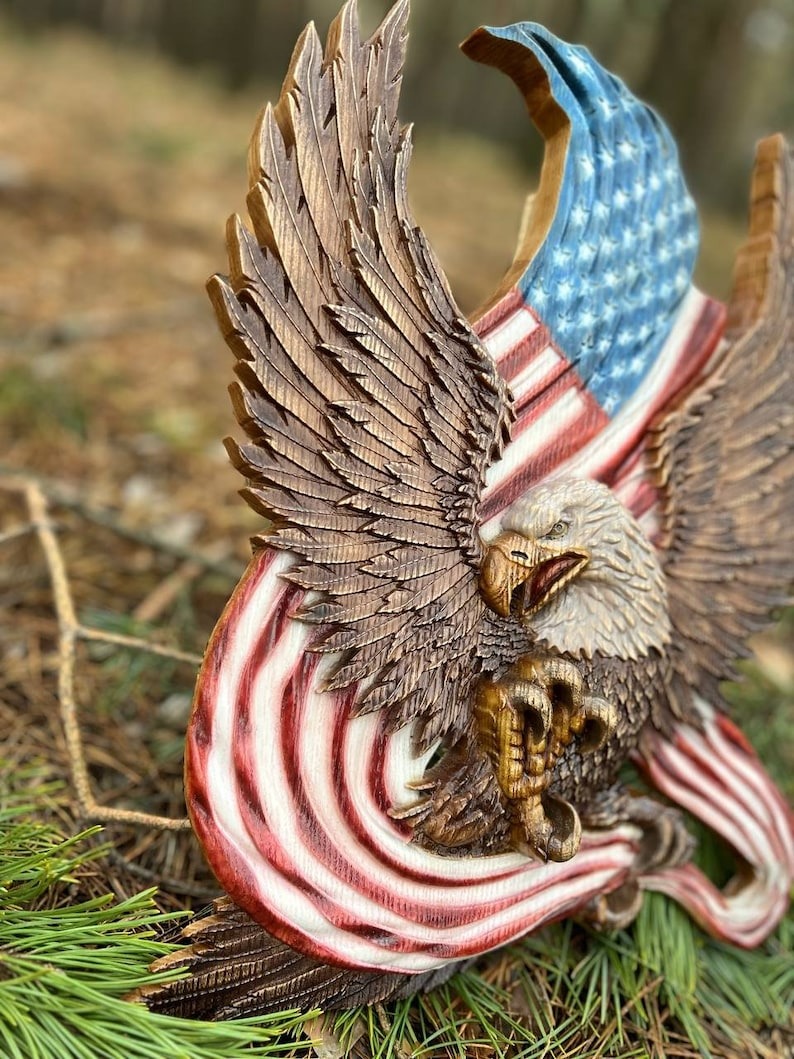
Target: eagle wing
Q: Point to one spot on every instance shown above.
(372, 408)
(725, 458)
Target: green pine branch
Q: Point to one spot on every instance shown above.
(66, 968)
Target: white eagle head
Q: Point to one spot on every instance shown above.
(577, 569)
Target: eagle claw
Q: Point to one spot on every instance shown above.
(525, 721)
(665, 842)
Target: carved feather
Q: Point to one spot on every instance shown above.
(372, 408)
(239, 970)
(725, 459)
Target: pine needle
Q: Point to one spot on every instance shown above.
(65, 969)
(660, 989)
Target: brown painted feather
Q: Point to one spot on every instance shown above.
(239, 970)
(372, 408)
(725, 459)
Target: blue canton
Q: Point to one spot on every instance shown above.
(612, 273)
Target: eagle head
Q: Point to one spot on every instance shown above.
(578, 571)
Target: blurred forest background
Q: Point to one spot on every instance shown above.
(718, 70)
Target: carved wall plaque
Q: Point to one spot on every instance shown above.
(502, 557)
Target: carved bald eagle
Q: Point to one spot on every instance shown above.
(499, 556)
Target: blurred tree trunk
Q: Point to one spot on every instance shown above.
(705, 45)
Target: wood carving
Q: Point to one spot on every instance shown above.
(501, 557)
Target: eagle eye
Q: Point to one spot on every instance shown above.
(559, 529)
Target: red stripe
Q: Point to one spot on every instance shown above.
(499, 312)
(644, 499)
(519, 357)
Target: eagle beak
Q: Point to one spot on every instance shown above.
(520, 576)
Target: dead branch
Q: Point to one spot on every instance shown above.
(70, 630)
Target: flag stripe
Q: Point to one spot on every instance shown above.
(716, 775)
(302, 860)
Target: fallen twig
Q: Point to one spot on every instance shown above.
(69, 631)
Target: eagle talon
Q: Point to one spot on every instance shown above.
(422, 784)
(566, 828)
(413, 812)
(534, 704)
(665, 842)
(600, 722)
(525, 722)
(547, 827)
(616, 910)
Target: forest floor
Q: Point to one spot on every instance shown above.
(117, 173)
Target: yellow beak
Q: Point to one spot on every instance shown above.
(513, 562)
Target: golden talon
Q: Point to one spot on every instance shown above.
(547, 827)
(525, 723)
(534, 704)
(599, 721)
(531, 829)
(566, 828)
(562, 680)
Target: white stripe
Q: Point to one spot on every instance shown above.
(651, 526)
(504, 338)
(745, 917)
(535, 374)
(401, 768)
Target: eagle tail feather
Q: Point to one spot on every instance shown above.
(236, 970)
